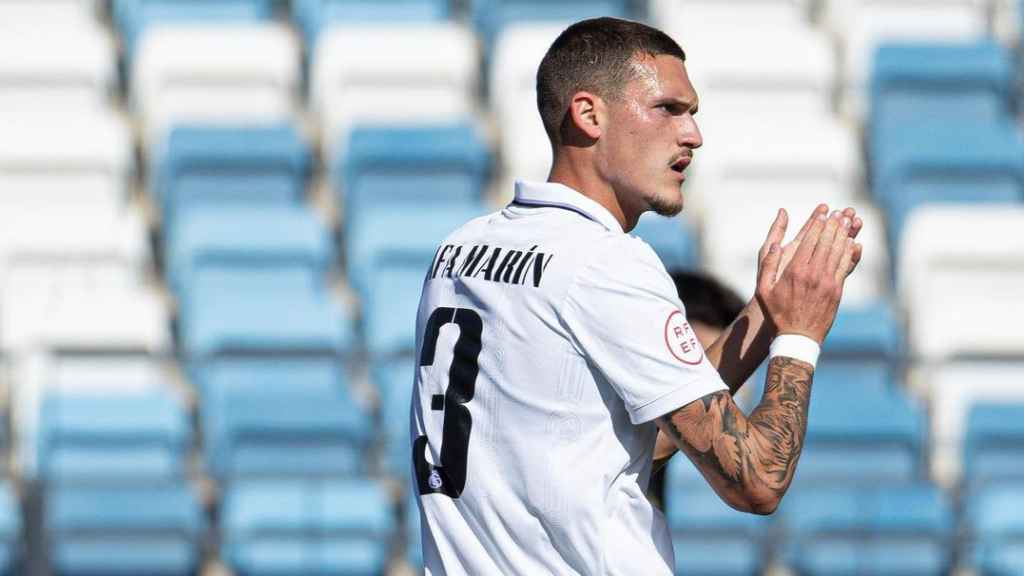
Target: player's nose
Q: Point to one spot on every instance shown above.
(689, 134)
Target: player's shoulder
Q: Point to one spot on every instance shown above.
(470, 229)
(626, 253)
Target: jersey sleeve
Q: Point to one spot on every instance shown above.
(623, 312)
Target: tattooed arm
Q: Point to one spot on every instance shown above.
(749, 461)
(743, 345)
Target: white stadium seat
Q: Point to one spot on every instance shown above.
(698, 15)
(734, 231)
(63, 159)
(863, 24)
(961, 277)
(224, 74)
(118, 373)
(47, 12)
(56, 66)
(953, 388)
(414, 73)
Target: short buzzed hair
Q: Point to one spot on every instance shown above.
(594, 55)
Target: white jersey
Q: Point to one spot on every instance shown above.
(548, 342)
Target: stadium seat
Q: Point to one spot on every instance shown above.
(953, 387)
(807, 159)
(492, 16)
(898, 529)
(227, 166)
(123, 529)
(858, 417)
(394, 383)
(981, 265)
(868, 332)
(293, 528)
(671, 239)
(732, 238)
(863, 24)
(52, 12)
(59, 64)
(51, 159)
(77, 372)
(90, 437)
(288, 433)
(313, 16)
(395, 81)
(714, 15)
(414, 536)
(133, 17)
(10, 530)
(226, 75)
(289, 239)
(995, 531)
(913, 164)
(389, 254)
(709, 537)
(798, 80)
(994, 450)
(411, 166)
(923, 81)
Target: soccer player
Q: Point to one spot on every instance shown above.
(552, 346)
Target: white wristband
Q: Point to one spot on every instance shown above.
(796, 347)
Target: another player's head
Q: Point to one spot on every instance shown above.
(618, 107)
(710, 305)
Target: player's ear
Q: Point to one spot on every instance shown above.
(586, 114)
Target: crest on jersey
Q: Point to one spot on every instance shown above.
(682, 340)
(435, 480)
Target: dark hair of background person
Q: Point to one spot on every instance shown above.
(707, 300)
(595, 56)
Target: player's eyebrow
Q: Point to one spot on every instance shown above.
(690, 105)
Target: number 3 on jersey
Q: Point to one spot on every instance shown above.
(450, 477)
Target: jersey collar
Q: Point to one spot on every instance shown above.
(561, 196)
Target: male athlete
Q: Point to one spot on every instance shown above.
(553, 348)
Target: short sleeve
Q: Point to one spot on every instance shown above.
(623, 312)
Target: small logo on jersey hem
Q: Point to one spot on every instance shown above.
(681, 340)
(434, 481)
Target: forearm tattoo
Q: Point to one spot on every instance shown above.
(749, 453)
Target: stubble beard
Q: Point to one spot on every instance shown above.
(666, 206)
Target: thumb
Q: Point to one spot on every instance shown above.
(769, 268)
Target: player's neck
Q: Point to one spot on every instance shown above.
(588, 183)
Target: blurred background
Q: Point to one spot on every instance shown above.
(215, 216)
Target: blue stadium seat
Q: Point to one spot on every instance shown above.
(413, 535)
(917, 163)
(390, 251)
(671, 239)
(994, 448)
(887, 529)
(867, 332)
(313, 15)
(297, 528)
(281, 418)
(10, 529)
(925, 81)
(133, 16)
(411, 166)
(394, 381)
(709, 537)
(856, 418)
(220, 165)
(90, 437)
(995, 530)
(123, 529)
(490, 16)
(277, 239)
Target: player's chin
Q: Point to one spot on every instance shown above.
(668, 202)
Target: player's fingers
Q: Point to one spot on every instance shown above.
(856, 226)
(777, 232)
(820, 210)
(840, 244)
(810, 239)
(848, 262)
(825, 241)
(769, 267)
